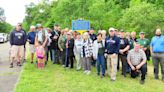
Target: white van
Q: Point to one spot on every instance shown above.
(3, 37)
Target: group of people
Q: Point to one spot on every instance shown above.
(89, 49)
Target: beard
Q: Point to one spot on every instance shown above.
(158, 34)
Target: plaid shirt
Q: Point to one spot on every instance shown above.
(136, 57)
(87, 47)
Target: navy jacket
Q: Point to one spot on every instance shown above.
(112, 45)
(17, 37)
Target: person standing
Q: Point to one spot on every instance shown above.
(144, 43)
(49, 51)
(86, 53)
(42, 38)
(93, 38)
(112, 46)
(17, 42)
(157, 52)
(69, 43)
(137, 60)
(54, 44)
(31, 39)
(77, 51)
(98, 54)
(124, 47)
(61, 44)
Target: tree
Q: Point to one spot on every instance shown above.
(142, 17)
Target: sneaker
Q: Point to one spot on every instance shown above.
(88, 72)
(98, 74)
(77, 69)
(142, 82)
(85, 71)
(103, 75)
(112, 80)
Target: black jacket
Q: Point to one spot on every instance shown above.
(70, 52)
(54, 43)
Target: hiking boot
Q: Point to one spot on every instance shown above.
(11, 65)
(142, 82)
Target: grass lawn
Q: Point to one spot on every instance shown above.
(54, 78)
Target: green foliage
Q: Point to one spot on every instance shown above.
(130, 15)
(5, 27)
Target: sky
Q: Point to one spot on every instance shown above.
(15, 9)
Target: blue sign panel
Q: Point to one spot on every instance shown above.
(80, 25)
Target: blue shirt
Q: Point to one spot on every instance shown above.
(157, 43)
(31, 37)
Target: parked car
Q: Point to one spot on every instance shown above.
(3, 37)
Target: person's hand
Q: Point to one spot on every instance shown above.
(43, 46)
(66, 45)
(105, 55)
(133, 68)
(55, 37)
(94, 57)
(114, 55)
(121, 51)
(138, 67)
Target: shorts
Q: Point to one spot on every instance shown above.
(32, 48)
(17, 51)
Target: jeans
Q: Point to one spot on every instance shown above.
(55, 55)
(47, 53)
(134, 74)
(69, 60)
(63, 56)
(101, 62)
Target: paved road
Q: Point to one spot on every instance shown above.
(8, 76)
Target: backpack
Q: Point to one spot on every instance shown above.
(40, 52)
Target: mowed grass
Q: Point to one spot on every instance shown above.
(54, 78)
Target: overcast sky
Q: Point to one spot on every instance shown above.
(15, 9)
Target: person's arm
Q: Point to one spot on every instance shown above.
(36, 40)
(151, 47)
(59, 43)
